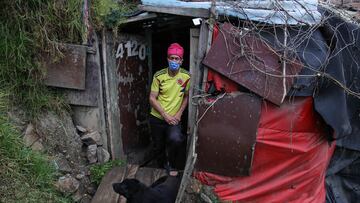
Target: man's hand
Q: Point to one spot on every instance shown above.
(178, 117)
(171, 120)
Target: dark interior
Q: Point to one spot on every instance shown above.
(165, 29)
(160, 42)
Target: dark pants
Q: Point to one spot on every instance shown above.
(167, 141)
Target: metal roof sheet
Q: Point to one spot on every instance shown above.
(268, 11)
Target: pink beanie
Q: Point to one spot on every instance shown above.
(175, 49)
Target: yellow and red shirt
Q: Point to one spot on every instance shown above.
(171, 90)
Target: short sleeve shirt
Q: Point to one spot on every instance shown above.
(171, 90)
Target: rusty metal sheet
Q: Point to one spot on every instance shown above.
(133, 90)
(69, 71)
(91, 95)
(250, 62)
(227, 135)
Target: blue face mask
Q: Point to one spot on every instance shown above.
(173, 66)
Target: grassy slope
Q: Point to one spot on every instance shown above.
(28, 28)
(25, 176)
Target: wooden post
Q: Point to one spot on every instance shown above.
(212, 21)
(111, 82)
(148, 36)
(196, 85)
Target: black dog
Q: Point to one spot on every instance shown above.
(164, 190)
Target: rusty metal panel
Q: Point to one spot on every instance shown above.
(133, 90)
(69, 71)
(250, 62)
(91, 95)
(227, 135)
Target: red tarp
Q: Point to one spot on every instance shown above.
(290, 160)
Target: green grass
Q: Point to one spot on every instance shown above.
(25, 175)
(108, 13)
(28, 30)
(98, 171)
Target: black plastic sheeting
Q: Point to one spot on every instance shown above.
(341, 110)
(309, 46)
(331, 50)
(338, 108)
(343, 177)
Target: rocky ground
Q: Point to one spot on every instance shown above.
(72, 150)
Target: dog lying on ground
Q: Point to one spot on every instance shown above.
(164, 190)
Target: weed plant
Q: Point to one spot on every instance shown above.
(98, 171)
(28, 30)
(25, 175)
(110, 14)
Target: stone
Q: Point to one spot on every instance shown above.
(38, 146)
(30, 137)
(86, 199)
(17, 116)
(80, 176)
(103, 155)
(59, 135)
(91, 190)
(62, 165)
(92, 138)
(67, 184)
(91, 153)
(77, 196)
(81, 129)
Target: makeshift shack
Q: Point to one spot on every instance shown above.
(274, 95)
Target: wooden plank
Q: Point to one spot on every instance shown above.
(111, 82)
(194, 43)
(193, 12)
(148, 36)
(191, 156)
(157, 173)
(197, 74)
(105, 193)
(144, 175)
(209, 39)
(131, 170)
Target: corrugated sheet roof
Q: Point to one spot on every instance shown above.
(267, 11)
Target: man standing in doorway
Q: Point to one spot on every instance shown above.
(168, 99)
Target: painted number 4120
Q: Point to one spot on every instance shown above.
(132, 49)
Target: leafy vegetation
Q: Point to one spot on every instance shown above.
(28, 30)
(98, 171)
(25, 175)
(110, 14)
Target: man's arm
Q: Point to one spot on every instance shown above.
(156, 105)
(182, 107)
